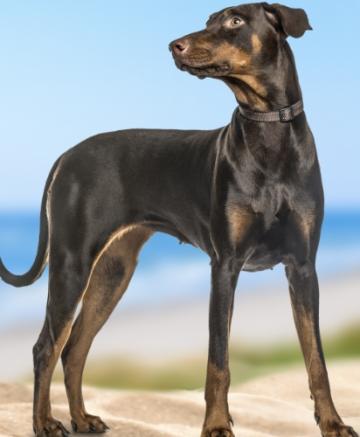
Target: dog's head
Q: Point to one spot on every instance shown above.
(238, 40)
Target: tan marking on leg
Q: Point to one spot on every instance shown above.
(118, 234)
(217, 410)
(42, 416)
(100, 299)
(217, 385)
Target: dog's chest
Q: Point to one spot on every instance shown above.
(263, 180)
(269, 202)
(265, 197)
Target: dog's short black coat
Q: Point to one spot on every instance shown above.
(248, 194)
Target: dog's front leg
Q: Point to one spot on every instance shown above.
(304, 292)
(218, 420)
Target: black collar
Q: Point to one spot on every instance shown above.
(283, 115)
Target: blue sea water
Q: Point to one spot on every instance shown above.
(166, 270)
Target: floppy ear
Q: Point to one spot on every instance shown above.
(293, 22)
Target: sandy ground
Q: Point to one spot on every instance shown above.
(276, 405)
(180, 330)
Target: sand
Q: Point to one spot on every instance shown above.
(275, 405)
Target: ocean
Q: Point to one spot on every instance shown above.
(167, 271)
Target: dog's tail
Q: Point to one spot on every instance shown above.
(41, 258)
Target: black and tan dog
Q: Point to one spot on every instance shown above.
(249, 195)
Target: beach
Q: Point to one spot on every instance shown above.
(271, 406)
(165, 334)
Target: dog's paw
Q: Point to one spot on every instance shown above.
(217, 432)
(89, 425)
(339, 430)
(51, 428)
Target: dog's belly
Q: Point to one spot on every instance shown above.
(262, 260)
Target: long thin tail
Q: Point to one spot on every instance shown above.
(43, 246)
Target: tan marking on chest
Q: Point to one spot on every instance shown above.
(240, 221)
(306, 224)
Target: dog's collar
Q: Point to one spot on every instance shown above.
(283, 115)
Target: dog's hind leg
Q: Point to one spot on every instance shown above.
(67, 280)
(109, 280)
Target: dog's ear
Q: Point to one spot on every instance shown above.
(292, 22)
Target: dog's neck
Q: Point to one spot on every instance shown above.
(271, 88)
(280, 79)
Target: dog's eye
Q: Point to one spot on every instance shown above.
(235, 22)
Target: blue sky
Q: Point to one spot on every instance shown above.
(72, 69)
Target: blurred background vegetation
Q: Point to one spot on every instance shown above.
(246, 363)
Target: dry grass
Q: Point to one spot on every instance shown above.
(246, 363)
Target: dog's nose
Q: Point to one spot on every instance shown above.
(180, 46)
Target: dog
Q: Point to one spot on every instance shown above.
(249, 195)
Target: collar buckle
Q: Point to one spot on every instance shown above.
(286, 114)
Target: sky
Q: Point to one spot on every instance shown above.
(73, 69)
